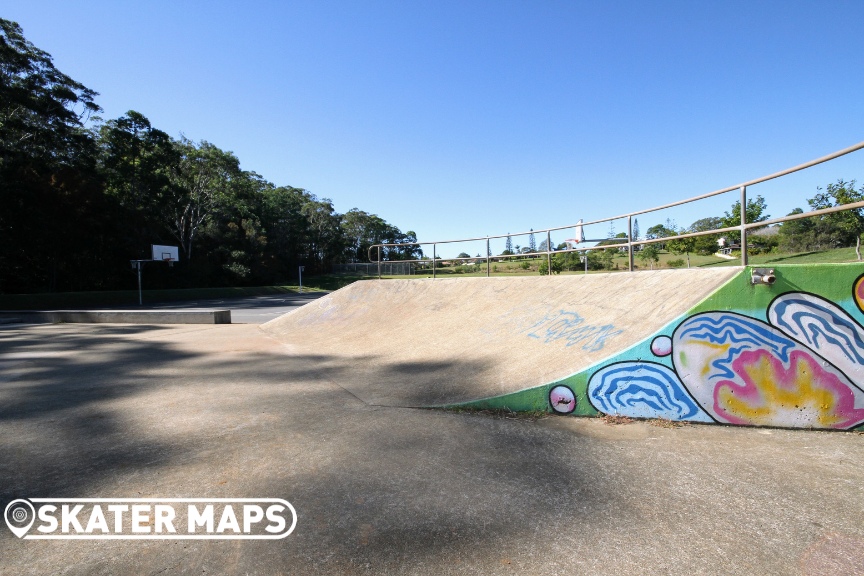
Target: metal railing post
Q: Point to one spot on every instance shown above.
(433, 261)
(488, 257)
(549, 252)
(743, 228)
(630, 241)
(379, 262)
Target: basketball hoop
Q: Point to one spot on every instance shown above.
(169, 254)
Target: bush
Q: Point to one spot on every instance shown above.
(679, 263)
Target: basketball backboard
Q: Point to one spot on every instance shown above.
(165, 253)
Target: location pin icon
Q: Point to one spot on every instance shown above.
(19, 515)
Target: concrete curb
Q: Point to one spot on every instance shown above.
(117, 316)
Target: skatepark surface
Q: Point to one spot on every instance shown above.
(314, 409)
(432, 342)
(102, 410)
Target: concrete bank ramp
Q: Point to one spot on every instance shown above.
(431, 342)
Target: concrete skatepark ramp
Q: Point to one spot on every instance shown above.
(433, 342)
(709, 346)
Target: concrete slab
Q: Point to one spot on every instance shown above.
(100, 410)
(427, 342)
(185, 316)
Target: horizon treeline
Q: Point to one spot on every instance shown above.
(80, 197)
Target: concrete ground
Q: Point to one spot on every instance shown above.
(226, 411)
(249, 309)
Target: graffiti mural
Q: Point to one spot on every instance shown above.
(800, 369)
(745, 371)
(789, 355)
(562, 399)
(570, 327)
(642, 390)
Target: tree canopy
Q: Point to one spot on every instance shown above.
(82, 196)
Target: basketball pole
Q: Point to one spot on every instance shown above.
(140, 297)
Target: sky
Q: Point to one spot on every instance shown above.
(466, 119)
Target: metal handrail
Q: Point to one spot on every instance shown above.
(742, 228)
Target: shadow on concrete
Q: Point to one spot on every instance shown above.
(136, 412)
(381, 486)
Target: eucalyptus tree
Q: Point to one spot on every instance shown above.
(48, 182)
(201, 180)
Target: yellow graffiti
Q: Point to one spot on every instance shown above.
(797, 394)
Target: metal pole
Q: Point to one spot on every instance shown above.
(300, 272)
(433, 261)
(585, 256)
(140, 297)
(488, 257)
(379, 262)
(630, 241)
(549, 252)
(743, 222)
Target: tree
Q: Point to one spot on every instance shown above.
(50, 196)
(799, 235)
(201, 181)
(659, 231)
(136, 162)
(706, 244)
(532, 244)
(846, 226)
(755, 212)
(607, 256)
(682, 245)
(649, 254)
(557, 265)
(78, 201)
(635, 229)
(41, 109)
(508, 245)
(464, 255)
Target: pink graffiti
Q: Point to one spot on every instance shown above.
(804, 394)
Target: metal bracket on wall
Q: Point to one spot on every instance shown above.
(763, 276)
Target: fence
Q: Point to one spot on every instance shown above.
(402, 268)
(629, 242)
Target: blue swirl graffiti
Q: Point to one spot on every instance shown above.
(571, 327)
(820, 325)
(740, 332)
(643, 390)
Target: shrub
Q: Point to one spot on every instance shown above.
(679, 263)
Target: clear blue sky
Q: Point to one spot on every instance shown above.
(458, 119)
